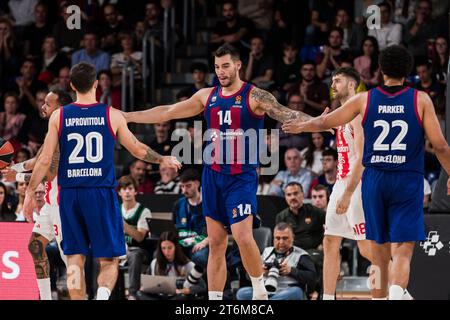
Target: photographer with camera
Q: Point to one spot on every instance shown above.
(288, 270)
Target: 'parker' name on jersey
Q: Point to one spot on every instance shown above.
(391, 109)
(92, 121)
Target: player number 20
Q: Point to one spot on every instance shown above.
(385, 128)
(89, 139)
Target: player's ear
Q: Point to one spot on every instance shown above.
(95, 85)
(73, 87)
(238, 64)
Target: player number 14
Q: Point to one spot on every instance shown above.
(224, 118)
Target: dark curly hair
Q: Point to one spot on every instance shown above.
(396, 62)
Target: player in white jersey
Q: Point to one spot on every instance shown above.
(345, 215)
(48, 223)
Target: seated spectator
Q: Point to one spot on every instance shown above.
(35, 33)
(22, 155)
(38, 196)
(22, 12)
(6, 212)
(232, 28)
(440, 59)
(138, 35)
(329, 163)
(63, 82)
(28, 85)
(199, 72)
(296, 269)
(162, 143)
(91, 54)
(287, 71)
(322, 14)
(153, 22)
(259, 11)
(11, 120)
(106, 93)
(21, 188)
(367, 64)
(315, 94)
(390, 33)
(127, 55)
(138, 173)
(306, 220)
(136, 230)
(110, 29)
(353, 34)
(189, 220)
(169, 182)
(293, 173)
(430, 84)
(9, 54)
(68, 39)
(259, 65)
(319, 197)
(332, 56)
(50, 60)
(312, 155)
(299, 141)
(419, 29)
(170, 261)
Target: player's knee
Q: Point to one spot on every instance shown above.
(365, 252)
(217, 245)
(331, 245)
(243, 237)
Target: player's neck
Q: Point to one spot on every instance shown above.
(86, 98)
(393, 82)
(346, 98)
(233, 88)
(129, 204)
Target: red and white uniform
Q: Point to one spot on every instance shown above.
(350, 225)
(48, 222)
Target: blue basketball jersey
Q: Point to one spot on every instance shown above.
(393, 132)
(234, 130)
(86, 143)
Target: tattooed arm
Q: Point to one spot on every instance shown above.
(137, 148)
(265, 102)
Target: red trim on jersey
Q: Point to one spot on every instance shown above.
(367, 107)
(416, 110)
(252, 113)
(48, 188)
(208, 101)
(57, 197)
(392, 94)
(85, 105)
(60, 121)
(108, 120)
(236, 167)
(345, 165)
(234, 94)
(214, 121)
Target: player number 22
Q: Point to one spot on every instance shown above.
(224, 118)
(385, 128)
(90, 137)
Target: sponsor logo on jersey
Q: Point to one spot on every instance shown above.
(234, 213)
(238, 100)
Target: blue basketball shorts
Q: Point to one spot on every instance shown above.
(229, 198)
(393, 205)
(91, 219)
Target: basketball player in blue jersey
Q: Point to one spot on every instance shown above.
(229, 179)
(86, 132)
(395, 119)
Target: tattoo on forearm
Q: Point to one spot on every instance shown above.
(152, 156)
(55, 162)
(276, 110)
(40, 259)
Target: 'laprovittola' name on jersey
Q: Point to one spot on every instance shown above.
(92, 121)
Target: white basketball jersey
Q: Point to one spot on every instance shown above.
(52, 192)
(346, 151)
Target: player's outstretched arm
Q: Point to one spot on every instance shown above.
(184, 109)
(268, 104)
(42, 165)
(338, 117)
(357, 170)
(137, 148)
(434, 133)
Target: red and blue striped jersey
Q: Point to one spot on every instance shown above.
(234, 132)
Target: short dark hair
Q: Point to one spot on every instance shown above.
(200, 66)
(348, 72)
(64, 97)
(396, 62)
(423, 62)
(189, 175)
(311, 62)
(320, 187)
(387, 5)
(330, 152)
(294, 183)
(12, 94)
(83, 76)
(126, 181)
(233, 3)
(107, 72)
(338, 29)
(281, 226)
(225, 49)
